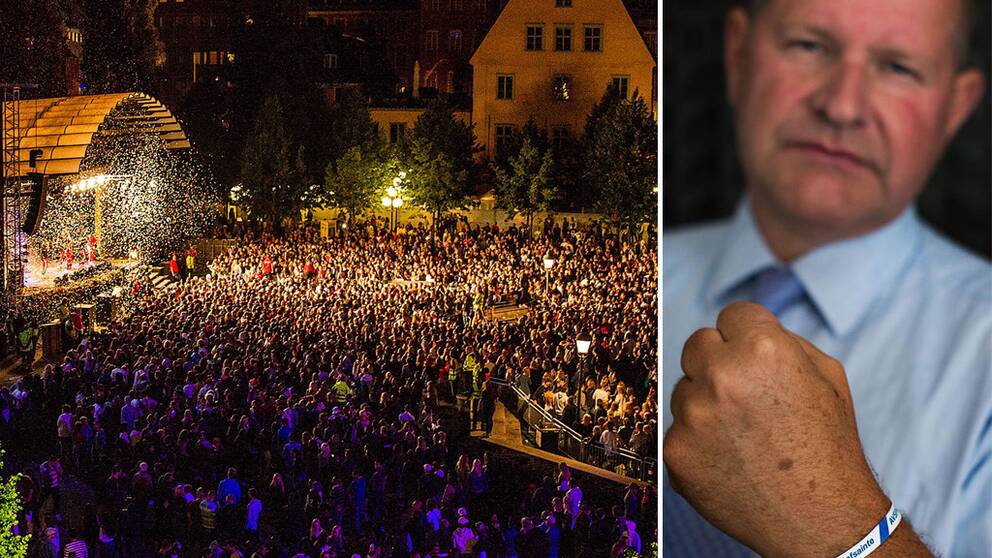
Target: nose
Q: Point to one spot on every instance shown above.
(841, 100)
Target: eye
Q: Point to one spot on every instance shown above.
(806, 45)
(898, 69)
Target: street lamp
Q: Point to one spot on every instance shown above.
(393, 200)
(583, 342)
(549, 262)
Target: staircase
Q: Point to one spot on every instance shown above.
(161, 278)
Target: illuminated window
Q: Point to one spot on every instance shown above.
(431, 41)
(561, 87)
(504, 86)
(455, 41)
(620, 84)
(330, 61)
(535, 37)
(451, 82)
(563, 37)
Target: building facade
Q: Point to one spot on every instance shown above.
(552, 60)
(198, 39)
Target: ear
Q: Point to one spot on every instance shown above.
(735, 33)
(967, 91)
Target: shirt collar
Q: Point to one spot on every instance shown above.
(842, 279)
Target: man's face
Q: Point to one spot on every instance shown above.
(843, 107)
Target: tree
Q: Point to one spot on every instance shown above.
(441, 132)
(352, 126)
(272, 183)
(434, 182)
(440, 157)
(620, 159)
(527, 187)
(123, 51)
(354, 182)
(15, 546)
(33, 46)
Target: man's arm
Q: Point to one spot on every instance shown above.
(765, 446)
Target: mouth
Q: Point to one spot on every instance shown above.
(833, 155)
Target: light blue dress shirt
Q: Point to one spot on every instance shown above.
(910, 316)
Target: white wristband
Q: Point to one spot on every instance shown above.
(876, 537)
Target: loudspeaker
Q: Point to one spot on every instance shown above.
(37, 196)
(547, 439)
(106, 308)
(51, 339)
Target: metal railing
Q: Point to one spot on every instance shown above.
(546, 431)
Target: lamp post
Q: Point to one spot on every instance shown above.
(583, 342)
(393, 201)
(549, 262)
(393, 198)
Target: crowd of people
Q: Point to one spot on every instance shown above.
(301, 400)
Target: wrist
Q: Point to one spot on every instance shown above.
(836, 521)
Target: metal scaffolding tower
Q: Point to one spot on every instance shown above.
(13, 238)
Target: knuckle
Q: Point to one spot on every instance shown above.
(725, 383)
(763, 345)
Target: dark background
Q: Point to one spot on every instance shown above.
(702, 179)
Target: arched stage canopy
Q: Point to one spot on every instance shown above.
(65, 127)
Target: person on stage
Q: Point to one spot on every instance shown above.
(90, 250)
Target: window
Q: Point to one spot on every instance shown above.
(621, 85)
(455, 41)
(563, 3)
(457, 5)
(451, 82)
(504, 135)
(330, 61)
(504, 87)
(559, 137)
(561, 87)
(535, 37)
(594, 38)
(401, 56)
(431, 41)
(396, 131)
(436, 5)
(563, 37)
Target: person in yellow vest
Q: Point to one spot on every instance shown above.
(454, 371)
(341, 390)
(28, 338)
(190, 260)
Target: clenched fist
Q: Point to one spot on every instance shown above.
(764, 443)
